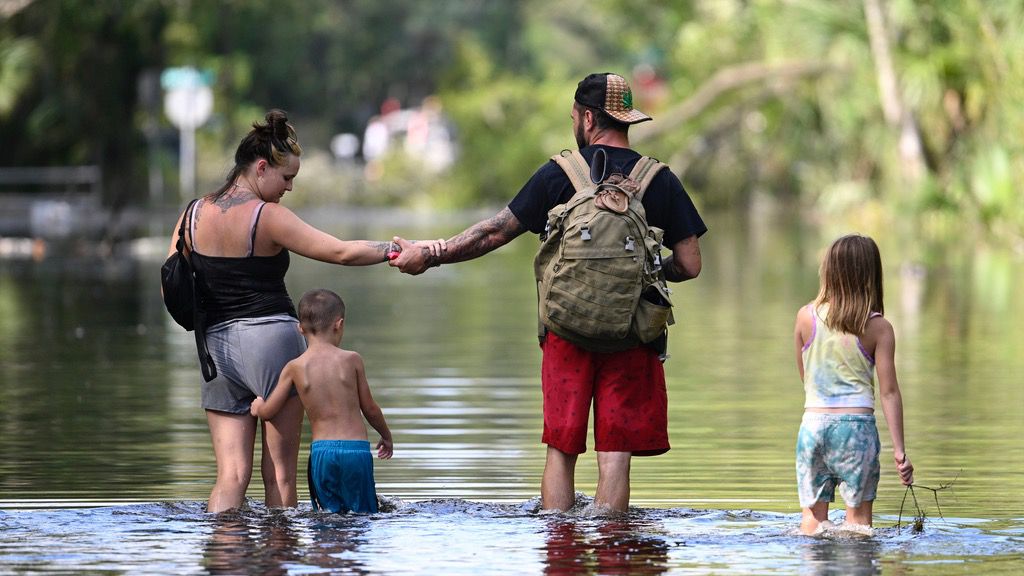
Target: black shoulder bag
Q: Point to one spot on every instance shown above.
(178, 279)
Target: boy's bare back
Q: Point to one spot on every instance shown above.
(332, 385)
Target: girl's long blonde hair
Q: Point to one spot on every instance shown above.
(851, 283)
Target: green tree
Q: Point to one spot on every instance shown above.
(909, 105)
(75, 66)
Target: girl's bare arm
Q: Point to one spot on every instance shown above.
(889, 390)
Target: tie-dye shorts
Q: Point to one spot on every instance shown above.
(837, 450)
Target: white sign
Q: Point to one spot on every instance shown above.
(188, 102)
(189, 108)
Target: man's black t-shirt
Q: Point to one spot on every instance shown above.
(667, 204)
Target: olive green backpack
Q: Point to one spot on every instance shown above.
(598, 270)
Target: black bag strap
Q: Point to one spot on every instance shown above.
(206, 365)
(185, 217)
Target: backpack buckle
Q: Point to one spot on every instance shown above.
(585, 233)
(630, 244)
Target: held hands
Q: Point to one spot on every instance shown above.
(385, 448)
(905, 469)
(415, 257)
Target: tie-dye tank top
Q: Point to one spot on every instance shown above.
(838, 371)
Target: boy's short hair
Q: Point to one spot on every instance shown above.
(318, 309)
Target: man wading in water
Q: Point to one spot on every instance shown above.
(627, 387)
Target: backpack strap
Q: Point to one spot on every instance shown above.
(643, 173)
(575, 167)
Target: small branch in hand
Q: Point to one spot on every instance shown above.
(919, 516)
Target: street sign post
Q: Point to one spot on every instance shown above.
(188, 103)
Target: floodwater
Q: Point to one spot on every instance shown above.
(105, 461)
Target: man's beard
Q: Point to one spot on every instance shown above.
(581, 140)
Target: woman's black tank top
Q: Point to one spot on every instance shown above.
(243, 287)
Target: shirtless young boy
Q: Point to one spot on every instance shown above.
(331, 383)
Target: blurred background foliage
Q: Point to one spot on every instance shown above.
(908, 110)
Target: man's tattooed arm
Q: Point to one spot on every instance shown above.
(685, 262)
(480, 238)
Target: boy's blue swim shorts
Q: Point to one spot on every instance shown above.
(341, 476)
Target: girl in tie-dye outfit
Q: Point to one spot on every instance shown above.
(842, 339)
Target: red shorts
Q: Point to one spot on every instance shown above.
(628, 392)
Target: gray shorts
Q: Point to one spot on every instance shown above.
(250, 354)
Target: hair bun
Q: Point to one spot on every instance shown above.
(273, 139)
(277, 122)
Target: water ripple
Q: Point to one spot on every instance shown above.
(459, 536)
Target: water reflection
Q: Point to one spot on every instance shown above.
(602, 546)
(241, 543)
(841, 556)
(273, 542)
(455, 536)
(913, 281)
(336, 545)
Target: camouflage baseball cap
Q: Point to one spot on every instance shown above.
(610, 93)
